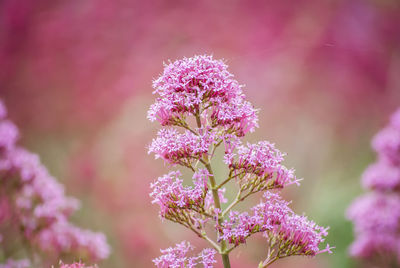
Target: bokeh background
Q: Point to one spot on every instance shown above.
(76, 78)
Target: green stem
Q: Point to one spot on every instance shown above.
(237, 200)
(225, 260)
(217, 203)
(225, 181)
(212, 242)
(270, 262)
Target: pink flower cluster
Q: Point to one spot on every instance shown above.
(34, 204)
(264, 217)
(259, 165)
(376, 215)
(176, 257)
(182, 149)
(173, 198)
(201, 90)
(279, 223)
(197, 85)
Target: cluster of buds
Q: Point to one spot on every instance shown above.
(34, 211)
(376, 215)
(202, 107)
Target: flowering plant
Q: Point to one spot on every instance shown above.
(202, 107)
(376, 215)
(34, 211)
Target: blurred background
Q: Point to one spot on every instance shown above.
(76, 78)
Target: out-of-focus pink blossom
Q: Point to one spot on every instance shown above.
(76, 265)
(65, 237)
(11, 263)
(376, 215)
(177, 257)
(387, 144)
(381, 176)
(369, 245)
(34, 205)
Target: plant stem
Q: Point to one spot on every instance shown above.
(212, 242)
(225, 260)
(237, 200)
(217, 203)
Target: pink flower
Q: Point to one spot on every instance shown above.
(279, 223)
(183, 149)
(381, 176)
(176, 257)
(172, 197)
(200, 91)
(196, 85)
(260, 161)
(63, 237)
(301, 235)
(238, 116)
(376, 212)
(370, 244)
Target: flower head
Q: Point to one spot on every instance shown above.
(181, 148)
(197, 85)
(172, 197)
(368, 245)
(260, 164)
(279, 223)
(177, 257)
(381, 176)
(64, 237)
(376, 212)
